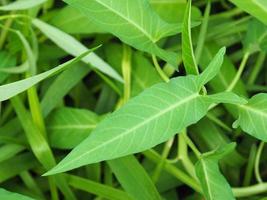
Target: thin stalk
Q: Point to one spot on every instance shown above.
(183, 155)
(250, 165)
(160, 165)
(256, 69)
(257, 163)
(239, 72)
(192, 146)
(159, 70)
(218, 122)
(173, 170)
(4, 32)
(203, 31)
(126, 72)
(250, 190)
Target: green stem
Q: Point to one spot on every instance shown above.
(160, 165)
(239, 72)
(250, 165)
(250, 190)
(192, 146)
(159, 70)
(203, 31)
(257, 163)
(256, 69)
(126, 71)
(171, 169)
(4, 32)
(183, 155)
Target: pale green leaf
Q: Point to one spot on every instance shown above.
(22, 5)
(68, 16)
(257, 8)
(68, 126)
(6, 195)
(256, 37)
(253, 117)
(142, 29)
(187, 46)
(135, 128)
(134, 178)
(12, 89)
(213, 183)
(75, 48)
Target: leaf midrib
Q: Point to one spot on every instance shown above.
(206, 177)
(176, 105)
(129, 21)
(257, 111)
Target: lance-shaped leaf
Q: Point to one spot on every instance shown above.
(253, 117)
(145, 121)
(75, 48)
(257, 8)
(134, 22)
(12, 89)
(213, 183)
(187, 46)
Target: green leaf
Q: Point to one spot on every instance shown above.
(256, 37)
(187, 46)
(7, 60)
(98, 189)
(4, 194)
(12, 89)
(257, 8)
(253, 117)
(173, 11)
(83, 25)
(68, 126)
(134, 178)
(61, 86)
(213, 183)
(134, 22)
(135, 128)
(75, 48)
(22, 5)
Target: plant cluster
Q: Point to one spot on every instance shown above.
(133, 99)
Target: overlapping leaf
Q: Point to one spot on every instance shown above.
(134, 22)
(9, 90)
(68, 126)
(253, 117)
(135, 127)
(75, 48)
(257, 8)
(214, 185)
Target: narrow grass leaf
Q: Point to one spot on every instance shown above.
(98, 189)
(12, 89)
(75, 48)
(187, 46)
(134, 179)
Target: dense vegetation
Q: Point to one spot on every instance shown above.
(133, 99)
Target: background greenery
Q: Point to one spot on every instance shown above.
(160, 99)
